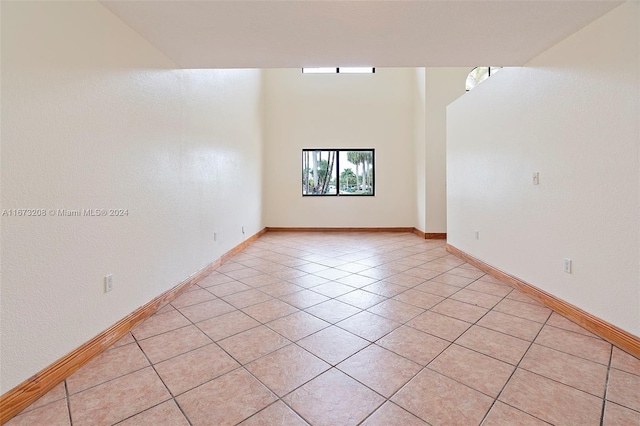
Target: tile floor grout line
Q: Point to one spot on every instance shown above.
(606, 386)
(68, 398)
(497, 398)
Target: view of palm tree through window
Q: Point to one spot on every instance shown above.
(338, 172)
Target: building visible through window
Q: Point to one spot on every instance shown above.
(338, 172)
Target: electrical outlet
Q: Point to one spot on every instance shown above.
(108, 283)
(477, 235)
(536, 178)
(567, 266)
(215, 236)
(243, 229)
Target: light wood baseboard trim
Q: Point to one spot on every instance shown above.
(430, 235)
(20, 397)
(607, 331)
(280, 229)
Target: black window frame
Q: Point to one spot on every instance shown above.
(337, 165)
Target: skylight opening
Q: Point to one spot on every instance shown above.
(320, 70)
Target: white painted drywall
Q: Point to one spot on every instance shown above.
(339, 111)
(93, 117)
(420, 147)
(572, 114)
(442, 86)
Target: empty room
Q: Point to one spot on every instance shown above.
(320, 212)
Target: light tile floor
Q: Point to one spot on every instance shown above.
(345, 329)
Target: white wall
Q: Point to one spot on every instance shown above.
(571, 114)
(339, 111)
(442, 86)
(94, 117)
(420, 147)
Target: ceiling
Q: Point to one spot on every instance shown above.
(283, 34)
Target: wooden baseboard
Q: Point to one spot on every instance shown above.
(280, 229)
(597, 326)
(20, 397)
(430, 235)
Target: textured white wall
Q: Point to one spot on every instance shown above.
(571, 114)
(442, 86)
(420, 147)
(339, 111)
(94, 117)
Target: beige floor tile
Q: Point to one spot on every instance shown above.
(467, 272)
(495, 344)
(512, 325)
(297, 325)
(396, 310)
(625, 362)
(108, 365)
(226, 325)
(242, 273)
(390, 414)
(166, 413)
(439, 289)
(361, 299)
(253, 343)
(439, 325)
(413, 344)
(380, 369)
(333, 344)
(286, 369)
(191, 298)
(500, 290)
(260, 280)
(247, 298)
(385, 288)
(521, 297)
(269, 310)
(523, 310)
(205, 310)
(616, 415)
(476, 298)
(194, 368)
(439, 400)
(172, 343)
(559, 321)
(502, 414)
(368, 326)
(334, 398)
(454, 280)
(228, 288)
(52, 414)
(480, 372)
(160, 323)
(596, 350)
(624, 389)
(308, 281)
(418, 298)
(357, 281)
(333, 311)
(277, 414)
(128, 337)
(281, 288)
(460, 310)
(579, 373)
(214, 278)
(412, 277)
(226, 400)
(103, 404)
(332, 289)
(551, 401)
(304, 299)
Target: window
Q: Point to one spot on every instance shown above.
(480, 74)
(338, 172)
(339, 70)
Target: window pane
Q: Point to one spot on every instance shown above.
(356, 174)
(477, 76)
(356, 70)
(318, 172)
(321, 70)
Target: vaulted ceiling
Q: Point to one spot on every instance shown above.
(279, 34)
